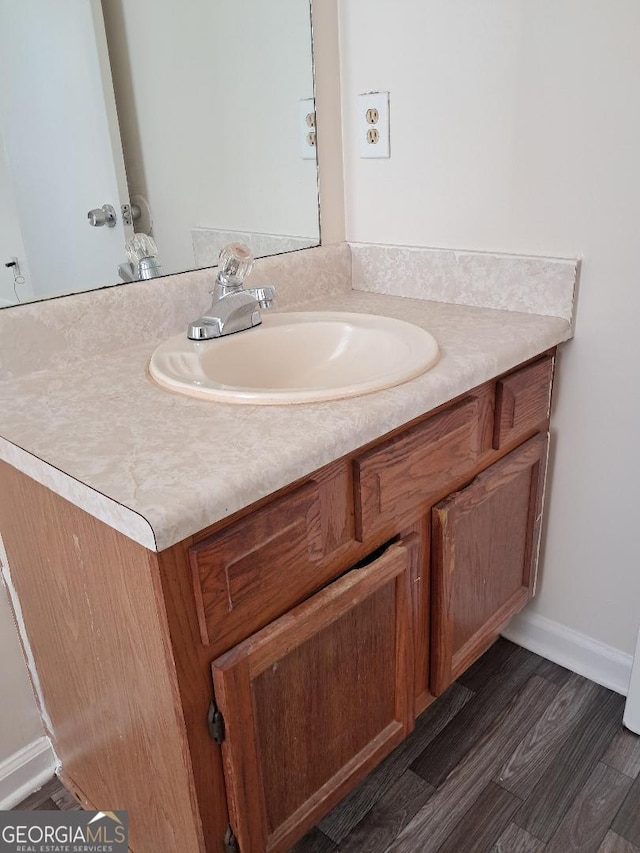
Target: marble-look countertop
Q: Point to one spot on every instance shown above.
(159, 467)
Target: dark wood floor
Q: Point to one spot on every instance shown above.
(51, 797)
(519, 756)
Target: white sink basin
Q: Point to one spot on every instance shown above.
(297, 358)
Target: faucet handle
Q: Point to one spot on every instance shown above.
(263, 295)
(234, 264)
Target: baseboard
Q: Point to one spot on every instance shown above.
(571, 649)
(25, 771)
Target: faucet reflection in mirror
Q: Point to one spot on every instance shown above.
(143, 262)
(234, 308)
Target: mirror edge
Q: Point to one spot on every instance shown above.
(326, 62)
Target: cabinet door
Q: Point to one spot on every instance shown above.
(484, 556)
(312, 702)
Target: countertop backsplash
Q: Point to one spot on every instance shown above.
(526, 283)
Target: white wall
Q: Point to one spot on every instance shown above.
(515, 126)
(208, 107)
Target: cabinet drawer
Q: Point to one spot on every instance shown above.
(401, 473)
(522, 402)
(261, 565)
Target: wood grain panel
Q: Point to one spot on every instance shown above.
(554, 673)
(489, 665)
(246, 568)
(523, 402)
(516, 840)
(421, 601)
(314, 842)
(627, 821)
(389, 816)
(287, 693)
(624, 754)
(536, 752)
(484, 555)
(407, 470)
(613, 843)
(549, 801)
(483, 824)
(585, 825)
(89, 599)
(193, 671)
(446, 807)
(298, 736)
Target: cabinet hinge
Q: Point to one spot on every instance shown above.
(215, 722)
(230, 841)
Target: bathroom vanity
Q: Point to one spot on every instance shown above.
(257, 670)
(229, 643)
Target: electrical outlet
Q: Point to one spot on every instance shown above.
(307, 125)
(373, 125)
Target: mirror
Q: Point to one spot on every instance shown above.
(198, 119)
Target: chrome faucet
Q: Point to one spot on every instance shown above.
(143, 264)
(234, 308)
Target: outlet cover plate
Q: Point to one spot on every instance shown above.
(307, 126)
(373, 136)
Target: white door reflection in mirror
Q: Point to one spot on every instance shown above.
(62, 147)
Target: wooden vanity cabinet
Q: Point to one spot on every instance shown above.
(263, 666)
(313, 700)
